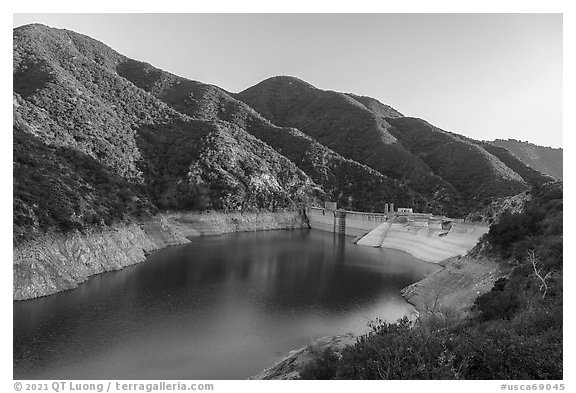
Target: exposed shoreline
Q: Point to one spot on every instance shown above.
(452, 290)
(53, 263)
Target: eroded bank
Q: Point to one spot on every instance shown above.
(52, 263)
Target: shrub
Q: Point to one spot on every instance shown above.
(498, 304)
(323, 367)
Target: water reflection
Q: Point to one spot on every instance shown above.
(218, 308)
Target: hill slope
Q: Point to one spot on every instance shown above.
(84, 132)
(477, 174)
(352, 185)
(99, 137)
(530, 175)
(442, 167)
(544, 159)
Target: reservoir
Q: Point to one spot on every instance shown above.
(221, 307)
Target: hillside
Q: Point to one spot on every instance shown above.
(99, 138)
(452, 175)
(530, 175)
(547, 160)
(379, 109)
(478, 175)
(93, 148)
(347, 182)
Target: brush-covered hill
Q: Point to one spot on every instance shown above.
(529, 174)
(477, 174)
(90, 147)
(99, 137)
(544, 159)
(351, 184)
(346, 126)
(454, 175)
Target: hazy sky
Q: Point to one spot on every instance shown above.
(486, 76)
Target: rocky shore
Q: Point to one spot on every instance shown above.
(53, 263)
(452, 290)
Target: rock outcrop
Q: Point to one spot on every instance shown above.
(57, 262)
(451, 292)
(54, 263)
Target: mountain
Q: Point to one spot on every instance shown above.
(452, 174)
(91, 147)
(347, 182)
(478, 171)
(379, 109)
(99, 138)
(530, 175)
(547, 160)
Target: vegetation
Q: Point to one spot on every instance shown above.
(515, 332)
(58, 188)
(477, 176)
(448, 174)
(165, 136)
(530, 176)
(352, 185)
(544, 159)
(92, 148)
(349, 128)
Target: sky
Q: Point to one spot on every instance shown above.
(485, 76)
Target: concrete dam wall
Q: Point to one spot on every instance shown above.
(342, 221)
(427, 237)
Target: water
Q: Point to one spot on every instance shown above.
(222, 307)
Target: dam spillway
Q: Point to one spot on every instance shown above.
(425, 236)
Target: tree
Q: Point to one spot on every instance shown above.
(533, 260)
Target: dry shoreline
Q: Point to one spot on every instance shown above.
(53, 263)
(452, 290)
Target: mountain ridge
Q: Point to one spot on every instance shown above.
(377, 137)
(67, 95)
(336, 174)
(146, 140)
(547, 160)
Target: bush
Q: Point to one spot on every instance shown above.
(528, 345)
(324, 367)
(498, 304)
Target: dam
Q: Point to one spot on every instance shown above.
(425, 236)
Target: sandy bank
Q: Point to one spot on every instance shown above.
(53, 263)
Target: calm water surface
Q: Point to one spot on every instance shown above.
(222, 307)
